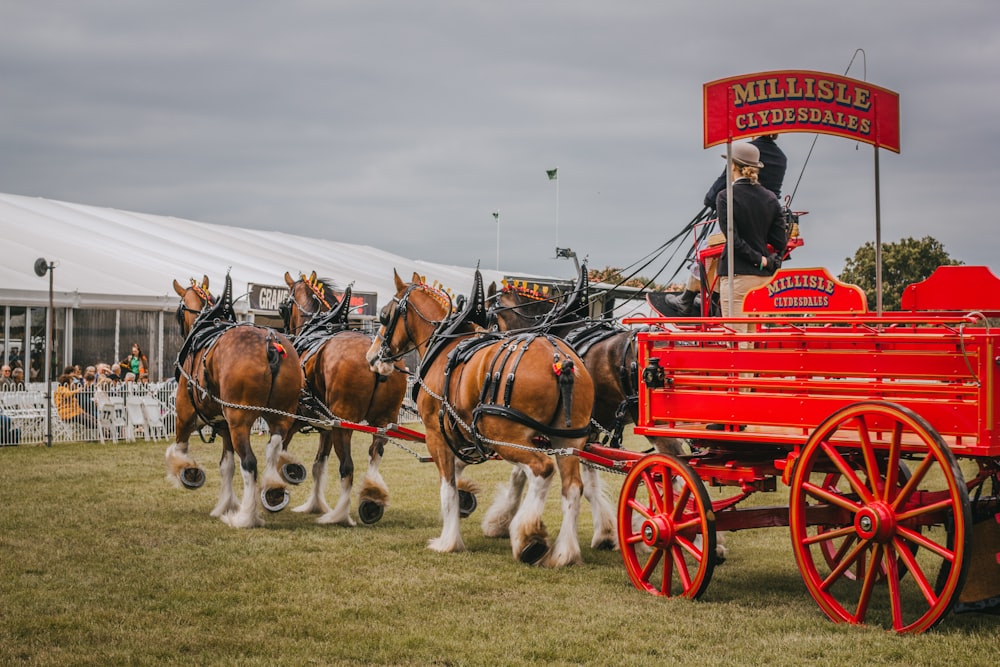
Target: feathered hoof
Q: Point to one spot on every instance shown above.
(192, 478)
(370, 512)
(533, 551)
(293, 473)
(604, 544)
(274, 499)
(467, 503)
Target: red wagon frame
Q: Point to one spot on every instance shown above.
(869, 422)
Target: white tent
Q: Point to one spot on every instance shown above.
(112, 258)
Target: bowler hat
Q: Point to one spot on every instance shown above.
(746, 155)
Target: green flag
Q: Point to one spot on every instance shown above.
(553, 173)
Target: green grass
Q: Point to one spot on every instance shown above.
(103, 562)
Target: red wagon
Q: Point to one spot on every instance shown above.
(884, 430)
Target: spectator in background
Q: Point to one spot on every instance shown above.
(18, 376)
(67, 404)
(136, 362)
(86, 397)
(6, 380)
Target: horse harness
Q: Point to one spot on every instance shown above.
(582, 339)
(495, 394)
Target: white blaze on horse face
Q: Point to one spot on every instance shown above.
(374, 356)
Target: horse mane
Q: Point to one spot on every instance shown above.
(327, 287)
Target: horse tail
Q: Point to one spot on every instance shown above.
(565, 371)
(275, 353)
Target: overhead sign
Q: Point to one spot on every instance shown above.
(800, 101)
(267, 298)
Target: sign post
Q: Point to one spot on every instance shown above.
(803, 101)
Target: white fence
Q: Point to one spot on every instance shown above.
(127, 412)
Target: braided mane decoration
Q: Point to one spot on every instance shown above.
(317, 287)
(522, 289)
(202, 291)
(436, 292)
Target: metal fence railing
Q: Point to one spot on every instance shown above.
(123, 412)
(129, 412)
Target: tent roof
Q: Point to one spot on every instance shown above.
(112, 258)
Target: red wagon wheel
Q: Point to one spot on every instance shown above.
(881, 516)
(666, 528)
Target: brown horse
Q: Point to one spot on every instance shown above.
(229, 375)
(607, 349)
(486, 395)
(338, 375)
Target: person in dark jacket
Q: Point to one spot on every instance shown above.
(771, 176)
(757, 223)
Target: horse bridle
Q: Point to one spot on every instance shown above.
(206, 297)
(285, 308)
(517, 308)
(402, 305)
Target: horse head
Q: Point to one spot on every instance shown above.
(194, 300)
(519, 306)
(307, 297)
(407, 322)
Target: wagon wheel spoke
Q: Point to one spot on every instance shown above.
(847, 471)
(837, 499)
(916, 571)
(829, 535)
(681, 566)
(870, 578)
(854, 555)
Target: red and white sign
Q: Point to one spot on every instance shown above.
(811, 290)
(800, 101)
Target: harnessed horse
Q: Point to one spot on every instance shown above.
(608, 351)
(339, 379)
(486, 395)
(229, 375)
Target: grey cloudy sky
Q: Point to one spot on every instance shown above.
(404, 125)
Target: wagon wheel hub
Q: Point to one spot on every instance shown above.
(658, 531)
(876, 522)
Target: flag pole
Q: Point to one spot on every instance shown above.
(553, 175)
(496, 216)
(557, 207)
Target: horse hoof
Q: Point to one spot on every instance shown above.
(607, 544)
(193, 478)
(274, 499)
(293, 473)
(467, 503)
(533, 552)
(370, 512)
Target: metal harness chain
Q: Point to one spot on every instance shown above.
(205, 394)
(565, 451)
(334, 422)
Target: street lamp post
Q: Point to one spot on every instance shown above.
(42, 266)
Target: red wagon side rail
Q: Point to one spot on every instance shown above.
(775, 384)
